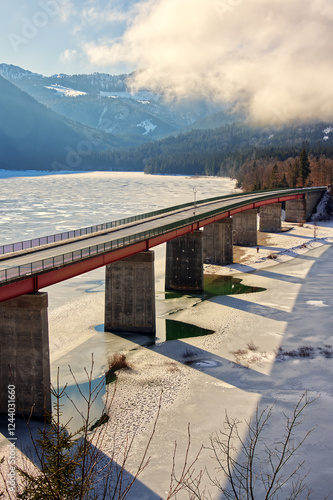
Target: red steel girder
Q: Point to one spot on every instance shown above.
(31, 284)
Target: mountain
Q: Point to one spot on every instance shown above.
(105, 102)
(36, 138)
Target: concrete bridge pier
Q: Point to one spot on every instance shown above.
(184, 258)
(295, 210)
(270, 218)
(218, 242)
(24, 354)
(130, 294)
(245, 228)
(301, 210)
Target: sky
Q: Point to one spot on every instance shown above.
(272, 57)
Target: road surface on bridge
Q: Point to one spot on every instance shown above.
(125, 240)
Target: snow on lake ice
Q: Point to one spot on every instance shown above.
(41, 205)
(316, 303)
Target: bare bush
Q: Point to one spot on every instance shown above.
(118, 362)
(251, 469)
(72, 465)
(252, 347)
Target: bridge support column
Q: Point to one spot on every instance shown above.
(218, 242)
(24, 354)
(245, 228)
(130, 294)
(184, 257)
(295, 210)
(270, 218)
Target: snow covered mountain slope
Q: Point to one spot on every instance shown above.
(105, 102)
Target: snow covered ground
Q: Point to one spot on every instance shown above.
(241, 365)
(229, 375)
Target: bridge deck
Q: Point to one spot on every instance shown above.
(29, 270)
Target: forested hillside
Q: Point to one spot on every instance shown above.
(245, 152)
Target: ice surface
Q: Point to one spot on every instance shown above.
(41, 205)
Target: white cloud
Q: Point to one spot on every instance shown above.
(68, 56)
(108, 15)
(67, 10)
(274, 57)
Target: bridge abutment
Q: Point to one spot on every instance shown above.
(184, 258)
(270, 218)
(130, 294)
(312, 200)
(245, 228)
(24, 354)
(218, 242)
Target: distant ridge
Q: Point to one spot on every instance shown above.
(34, 137)
(105, 102)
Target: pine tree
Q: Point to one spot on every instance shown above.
(60, 462)
(304, 166)
(274, 180)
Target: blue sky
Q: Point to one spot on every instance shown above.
(51, 36)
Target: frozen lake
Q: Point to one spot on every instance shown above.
(46, 204)
(37, 205)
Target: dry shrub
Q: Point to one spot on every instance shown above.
(252, 347)
(240, 353)
(327, 353)
(172, 367)
(189, 353)
(301, 352)
(306, 352)
(249, 356)
(118, 362)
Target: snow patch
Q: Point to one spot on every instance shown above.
(148, 126)
(327, 130)
(143, 97)
(101, 117)
(316, 303)
(66, 91)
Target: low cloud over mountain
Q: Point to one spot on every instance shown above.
(274, 58)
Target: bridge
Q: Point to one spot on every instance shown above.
(194, 232)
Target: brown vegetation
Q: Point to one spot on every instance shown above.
(271, 173)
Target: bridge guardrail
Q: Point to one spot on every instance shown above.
(69, 257)
(75, 233)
